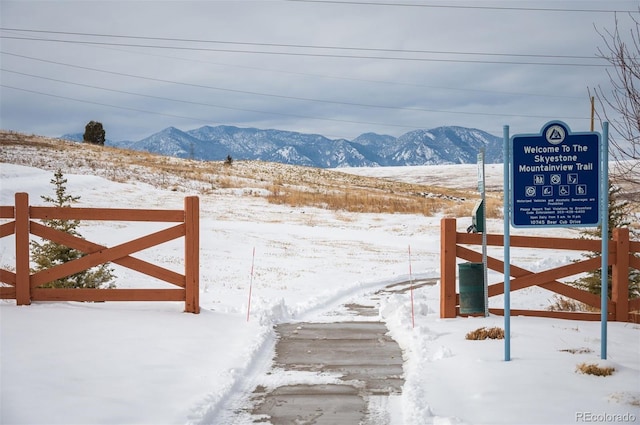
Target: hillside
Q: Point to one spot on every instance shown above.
(278, 183)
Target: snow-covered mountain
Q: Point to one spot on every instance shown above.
(442, 145)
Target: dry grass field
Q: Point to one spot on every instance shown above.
(278, 183)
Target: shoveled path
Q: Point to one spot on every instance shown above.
(366, 359)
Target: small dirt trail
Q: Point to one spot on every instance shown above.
(361, 363)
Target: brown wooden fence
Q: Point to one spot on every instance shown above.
(621, 258)
(25, 287)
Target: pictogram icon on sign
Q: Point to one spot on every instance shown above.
(555, 134)
(581, 189)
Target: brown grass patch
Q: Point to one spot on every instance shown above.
(594, 369)
(484, 333)
(354, 200)
(577, 350)
(494, 206)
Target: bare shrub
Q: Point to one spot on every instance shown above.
(567, 304)
(594, 369)
(484, 333)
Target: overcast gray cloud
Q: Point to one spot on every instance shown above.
(335, 69)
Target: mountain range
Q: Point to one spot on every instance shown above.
(441, 145)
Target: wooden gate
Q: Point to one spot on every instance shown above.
(621, 258)
(25, 287)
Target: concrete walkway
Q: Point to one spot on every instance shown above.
(367, 360)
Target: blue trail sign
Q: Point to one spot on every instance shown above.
(555, 178)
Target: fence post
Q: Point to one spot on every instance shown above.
(447, 268)
(620, 274)
(192, 254)
(23, 287)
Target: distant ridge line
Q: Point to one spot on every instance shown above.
(437, 146)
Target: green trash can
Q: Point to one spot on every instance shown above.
(471, 278)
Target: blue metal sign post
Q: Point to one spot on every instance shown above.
(481, 189)
(507, 243)
(555, 179)
(604, 229)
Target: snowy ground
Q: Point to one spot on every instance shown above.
(150, 363)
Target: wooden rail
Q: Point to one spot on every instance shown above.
(25, 287)
(621, 257)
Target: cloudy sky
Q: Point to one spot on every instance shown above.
(338, 68)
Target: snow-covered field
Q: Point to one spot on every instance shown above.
(150, 363)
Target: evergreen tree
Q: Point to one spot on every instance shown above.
(619, 216)
(49, 254)
(94, 133)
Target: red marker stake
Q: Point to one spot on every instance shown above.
(413, 320)
(253, 257)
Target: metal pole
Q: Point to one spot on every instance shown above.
(604, 216)
(484, 236)
(507, 261)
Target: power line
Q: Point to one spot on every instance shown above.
(198, 119)
(208, 121)
(450, 6)
(96, 103)
(339, 77)
(302, 54)
(286, 97)
(345, 78)
(297, 46)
